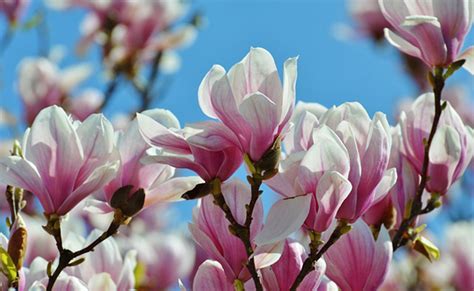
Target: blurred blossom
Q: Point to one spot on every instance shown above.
(162, 258)
(131, 32)
(433, 31)
(103, 269)
(369, 18)
(42, 84)
(210, 229)
(281, 275)
(357, 261)
(64, 161)
(368, 142)
(207, 148)
(459, 242)
(250, 99)
(452, 147)
(459, 98)
(14, 9)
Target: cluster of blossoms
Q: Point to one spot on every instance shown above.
(350, 187)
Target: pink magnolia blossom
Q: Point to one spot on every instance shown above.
(64, 162)
(42, 84)
(210, 229)
(368, 143)
(207, 148)
(452, 147)
(14, 9)
(156, 179)
(280, 276)
(459, 247)
(314, 183)
(433, 31)
(165, 258)
(357, 261)
(211, 276)
(250, 99)
(369, 17)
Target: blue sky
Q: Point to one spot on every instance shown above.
(330, 71)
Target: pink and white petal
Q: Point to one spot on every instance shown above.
(210, 276)
(95, 206)
(211, 135)
(401, 44)
(394, 11)
(177, 161)
(381, 261)
(126, 280)
(267, 255)
(386, 183)
(54, 147)
(156, 134)
(205, 90)
(468, 56)
(170, 190)
(285, 217)
(95, 182)
(101, 282)
(333, 189)
(262, 74)
(21, 173)
(427, 32)
(261, 114)
(289, 90)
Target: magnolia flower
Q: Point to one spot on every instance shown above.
(131, 32)
(41, 84)
(369, 17)
(64, 162)
(281, 275)
(402, 192)
(459, 243)
(451, 150)
(211, 276)
(250, 99)
(210, 229)
(156, 179)
(164, 258)
(207, 148)
(103, 269)
(357, 261)
(314, 184)
(13, 9)
(368, 143)
(433, 31)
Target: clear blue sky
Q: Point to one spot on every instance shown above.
(329, 71)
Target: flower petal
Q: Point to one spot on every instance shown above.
(285, 217)
(211, 276)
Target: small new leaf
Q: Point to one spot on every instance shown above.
(426, 248)
(8, 268)
(453, 68)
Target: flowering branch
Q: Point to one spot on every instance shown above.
(237, 229)
(342, 228)
(109, 91)
(437, 81)
(145, 90)
(66, 256)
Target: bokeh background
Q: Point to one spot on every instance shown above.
(333, 68)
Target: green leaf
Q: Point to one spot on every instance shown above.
(8, 267)
(426, 248)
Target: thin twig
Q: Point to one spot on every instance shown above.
(315, 255)
(66, 256)
(109, 92)
(416, 208)
(242, 231)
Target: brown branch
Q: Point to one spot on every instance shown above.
(398, 240)
(239, 230)
(314, 255)
(65, 255)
